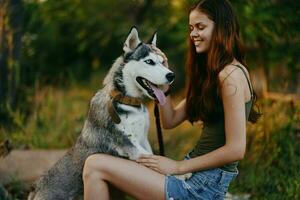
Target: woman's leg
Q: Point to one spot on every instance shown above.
(129, 176)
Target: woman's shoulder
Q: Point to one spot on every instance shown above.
(233, 80)
(233, 71)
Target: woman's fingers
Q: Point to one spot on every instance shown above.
(150, 156)
(150, 161)
(156, 169)
(146, 155)
(159, 52)
(151, 165)
(156, 49)
(147, 160)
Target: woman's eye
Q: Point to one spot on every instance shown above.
(200, 27)
(149, 62)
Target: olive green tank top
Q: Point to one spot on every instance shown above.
(213, 134)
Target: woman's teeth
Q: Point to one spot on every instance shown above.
(197, 42)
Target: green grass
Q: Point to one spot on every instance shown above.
(270, 169)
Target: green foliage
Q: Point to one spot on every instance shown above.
(270, 30)
(271, 167)
(73, 38)
(17, 190)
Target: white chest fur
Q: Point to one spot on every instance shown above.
(135, 124)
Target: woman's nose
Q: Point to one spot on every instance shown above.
(194, 33)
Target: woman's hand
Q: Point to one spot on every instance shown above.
(160, 164)
(159, 52)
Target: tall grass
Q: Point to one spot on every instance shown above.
(270, 169)
(57, 116)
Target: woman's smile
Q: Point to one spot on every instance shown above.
(198, 42)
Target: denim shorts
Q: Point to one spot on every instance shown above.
(204, 185)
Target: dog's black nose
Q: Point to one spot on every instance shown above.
(170, 77)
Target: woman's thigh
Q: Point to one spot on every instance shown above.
(129, 176)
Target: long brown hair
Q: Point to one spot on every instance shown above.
(203, 92)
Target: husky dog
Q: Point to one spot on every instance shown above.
(117, 122)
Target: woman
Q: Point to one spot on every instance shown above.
(219, 94)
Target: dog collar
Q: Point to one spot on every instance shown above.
(120, 98)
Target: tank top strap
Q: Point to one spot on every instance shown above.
(249, 84)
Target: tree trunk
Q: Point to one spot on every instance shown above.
(298, 83)
(3, 59)
(16, 17)
(259, 79)
(11, 17)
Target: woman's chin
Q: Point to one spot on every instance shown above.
(201, 49)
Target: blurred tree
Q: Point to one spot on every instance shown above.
(69, 39)
(10, 46)
(271, 32)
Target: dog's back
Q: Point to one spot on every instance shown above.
(63, 180)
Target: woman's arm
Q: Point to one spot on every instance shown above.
(233, 97)
(171, 117)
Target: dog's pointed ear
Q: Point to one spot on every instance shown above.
(153, 39)
(132, 40)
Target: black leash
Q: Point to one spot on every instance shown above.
(158, 129)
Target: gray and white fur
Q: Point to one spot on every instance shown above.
(100, 134)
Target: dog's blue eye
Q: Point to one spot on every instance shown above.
(150, 62)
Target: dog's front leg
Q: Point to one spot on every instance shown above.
(146, 145)
(143, 150)
(136, 151)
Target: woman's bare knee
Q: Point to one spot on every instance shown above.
(94, 167)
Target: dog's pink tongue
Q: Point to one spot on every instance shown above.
(159, 94)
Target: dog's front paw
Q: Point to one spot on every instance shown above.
(184, 177)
